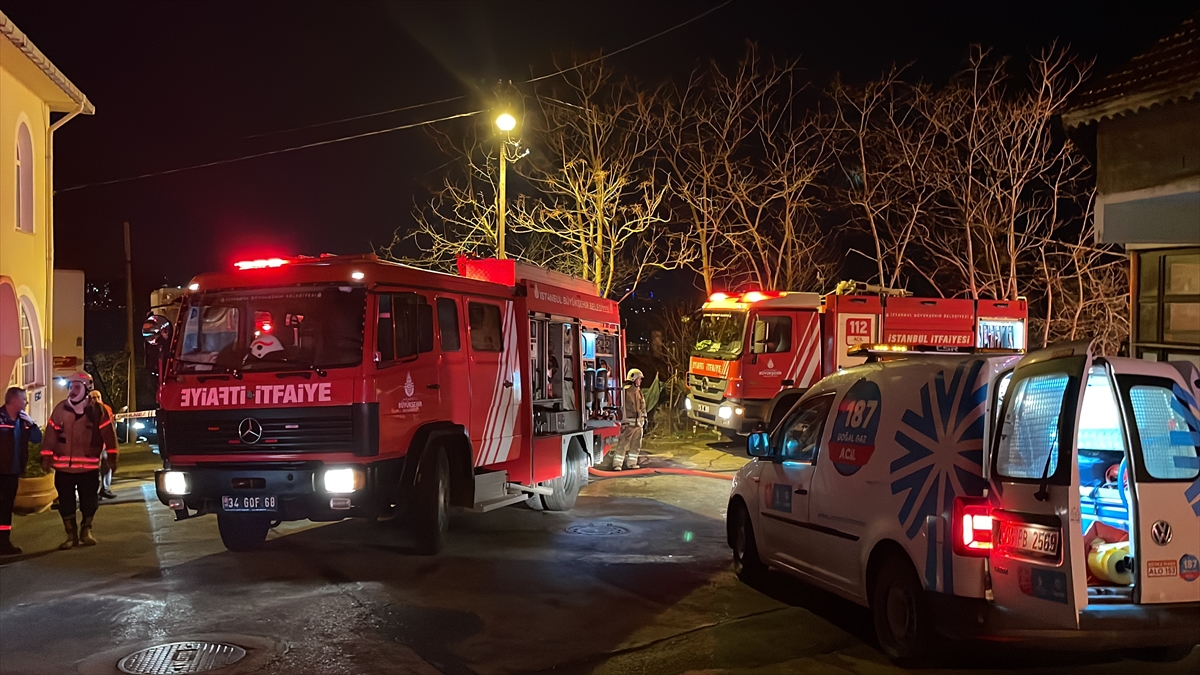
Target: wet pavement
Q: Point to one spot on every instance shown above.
(635, 580)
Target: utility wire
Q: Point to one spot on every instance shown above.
(529, 81)
(357, 117)
(628, 47)
(384, 112)
(271, 152)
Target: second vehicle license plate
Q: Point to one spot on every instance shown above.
(249, 503)
(1031, 540)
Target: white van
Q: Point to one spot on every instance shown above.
(987, 496)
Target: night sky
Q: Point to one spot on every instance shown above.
(182, 83)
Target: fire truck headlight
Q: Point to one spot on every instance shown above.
(738, 411)
(344, 481)
(687, 404)
(725, 412)
(175, 482)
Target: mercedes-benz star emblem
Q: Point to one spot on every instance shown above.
(1160, 532)
(250, 431)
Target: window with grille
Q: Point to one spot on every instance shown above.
(1168, 439)
(1030, 444)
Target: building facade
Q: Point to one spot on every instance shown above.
(35, 100)
(1146, 122)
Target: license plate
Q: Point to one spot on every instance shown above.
(1031, 540)
(702, 408)
(249, 503)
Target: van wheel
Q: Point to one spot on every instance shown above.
(242, 532)
(1161, 654)
(567, 486)
(746, 563)
(431, 502)
(901, 613)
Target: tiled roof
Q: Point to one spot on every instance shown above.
(1168, 71)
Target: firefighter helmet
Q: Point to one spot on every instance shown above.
(82, 377)
(634, 375)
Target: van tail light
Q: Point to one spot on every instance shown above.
(972, 517)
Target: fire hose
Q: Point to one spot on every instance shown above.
(651, 472)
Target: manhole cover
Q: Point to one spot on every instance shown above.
(598, 530)
(181, 657)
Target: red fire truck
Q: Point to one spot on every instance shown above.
(758, 351)
(330, 387)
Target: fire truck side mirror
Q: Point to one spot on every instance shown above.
(156, 330)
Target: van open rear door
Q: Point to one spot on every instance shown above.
(1163, 422)
(1037, 564)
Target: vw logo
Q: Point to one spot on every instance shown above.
(250, 431)
(1160, 532)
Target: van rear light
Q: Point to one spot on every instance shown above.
(972, 522)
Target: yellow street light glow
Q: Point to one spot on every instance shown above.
(506, 122)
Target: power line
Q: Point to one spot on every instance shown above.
(384, 112)
(529, 81)
(357, 117)
(271, 152)
(628, 47)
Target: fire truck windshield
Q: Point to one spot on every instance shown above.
(302, 327)
(722, 334)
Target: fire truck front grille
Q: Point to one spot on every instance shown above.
(707, 387)
(293, 430)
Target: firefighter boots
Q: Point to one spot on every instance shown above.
(72, 534)
(85, 533)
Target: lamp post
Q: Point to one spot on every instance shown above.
(506, 123)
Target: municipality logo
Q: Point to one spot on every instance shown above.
(409, 387)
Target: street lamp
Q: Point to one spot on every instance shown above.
(506, 123)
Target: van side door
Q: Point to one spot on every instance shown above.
(785, 483)
(1037, 562)
(1163, 422)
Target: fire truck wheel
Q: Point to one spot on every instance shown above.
(901, 613)
(431, 506)
(566, 487)
(241, 532)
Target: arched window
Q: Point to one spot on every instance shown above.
(28, 350)
(24, 179)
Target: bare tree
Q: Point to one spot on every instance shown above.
(887, 149)
(593, 201)
(744, 158)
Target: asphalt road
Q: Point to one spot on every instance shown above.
(645, 588)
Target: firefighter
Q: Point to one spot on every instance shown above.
(106, 474)
(17, 431)
(629, 446)
(79, 429)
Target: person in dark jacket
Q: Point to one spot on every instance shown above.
(79, 429)
(17, 431)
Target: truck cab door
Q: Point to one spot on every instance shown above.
(1163, 422)
(785, 353)
(1038, 565)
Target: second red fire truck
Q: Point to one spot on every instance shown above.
(330, 387)
(758, 351)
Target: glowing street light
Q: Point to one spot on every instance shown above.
(506, 123)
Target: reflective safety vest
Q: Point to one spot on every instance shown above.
(74, 442)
